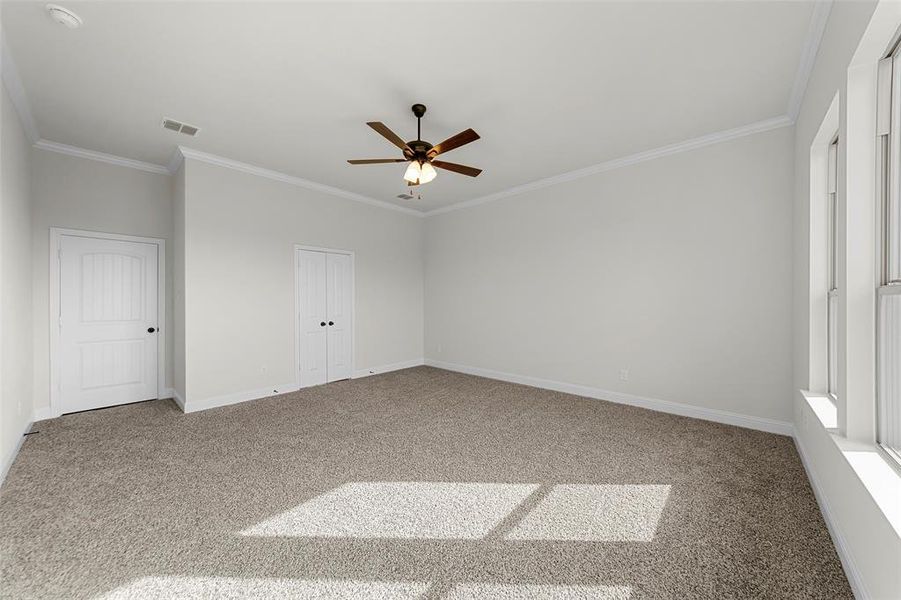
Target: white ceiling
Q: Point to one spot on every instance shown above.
(550, 86)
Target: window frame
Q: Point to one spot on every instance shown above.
(888, 165)
(832, 269)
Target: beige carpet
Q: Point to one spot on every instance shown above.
(415, 484)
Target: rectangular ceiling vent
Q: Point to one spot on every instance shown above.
(405, 196)
(178, 126)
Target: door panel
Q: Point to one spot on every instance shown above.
(108, 300)
(340, 303)
(311, 277)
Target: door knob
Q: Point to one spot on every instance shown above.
(330, 323)
(322, 324)
(150, 330)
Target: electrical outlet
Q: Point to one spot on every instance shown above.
(624, 374)
(439, 348)
(263, 369)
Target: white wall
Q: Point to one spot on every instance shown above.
(15, 282)
(868, 543)
(77, 193)
(178, 284)
(240, 231)
(677, 269)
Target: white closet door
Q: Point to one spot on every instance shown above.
(313, 322)
(107, 322)
(340, 325)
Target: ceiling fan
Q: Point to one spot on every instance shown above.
(420, 154)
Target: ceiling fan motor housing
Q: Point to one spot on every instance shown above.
(420, 149)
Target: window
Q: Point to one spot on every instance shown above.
(831, 279)
(888, 315)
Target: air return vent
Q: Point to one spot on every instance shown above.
(405, 196)
(173, 125)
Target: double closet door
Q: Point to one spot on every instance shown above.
(325, 305)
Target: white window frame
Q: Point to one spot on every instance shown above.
(832, 270)
(888, 125)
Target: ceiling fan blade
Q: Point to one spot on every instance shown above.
(462, 138)
(375, 161)
(388, 134)
(462, 169)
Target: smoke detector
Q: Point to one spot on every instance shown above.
(178, 126)
(64, 16)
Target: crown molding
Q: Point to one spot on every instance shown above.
(183, 152)
(13, 83)
(285, 178)
(103, 157)
(818, 19)
(618, 163)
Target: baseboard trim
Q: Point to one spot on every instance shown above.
(11, 458)
(407, 364)
(236, 398)
(666, 406)
(855, 579)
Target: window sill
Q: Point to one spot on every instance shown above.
(881, 479)
(823, 406)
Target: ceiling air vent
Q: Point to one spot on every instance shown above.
(180, 127)
(405, 196)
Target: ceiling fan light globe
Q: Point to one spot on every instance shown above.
(413, 172)
(427, 173)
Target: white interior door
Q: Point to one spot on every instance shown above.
(325, 316)
(312, 307)
(107, 322)
(340, 327)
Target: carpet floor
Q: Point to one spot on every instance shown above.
(420, 483)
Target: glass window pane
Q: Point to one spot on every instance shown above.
(893, 209)
(889, 368)
(831, 332)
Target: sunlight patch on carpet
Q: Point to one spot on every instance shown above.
(596, 513)
(399, 510)
(252, 588)
(491, 591)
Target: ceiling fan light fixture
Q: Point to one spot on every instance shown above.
(427, 173)
(413, 172)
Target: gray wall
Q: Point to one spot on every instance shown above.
(77, 193)
(15, 282)
(677, 269)
(240, 231)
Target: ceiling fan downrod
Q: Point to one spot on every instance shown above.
(418, 111)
